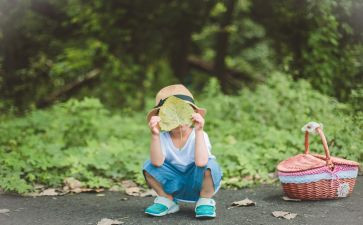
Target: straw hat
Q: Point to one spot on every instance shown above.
(177, 90)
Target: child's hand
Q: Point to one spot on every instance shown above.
(154, 125)
(198, 121)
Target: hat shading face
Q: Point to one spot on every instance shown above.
(178, 91)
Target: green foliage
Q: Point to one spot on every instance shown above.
(48, 46)
(78, 138)
(249, 50)
(250, 134)
(339, 61)
(51, 51)
(315, 40)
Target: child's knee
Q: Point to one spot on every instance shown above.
(149, 178)
(147, 175)
(207, 173)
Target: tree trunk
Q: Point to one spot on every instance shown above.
(68, 88)
(222, 46)
(179, 57)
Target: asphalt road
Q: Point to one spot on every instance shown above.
(88, 208)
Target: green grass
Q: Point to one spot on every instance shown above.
(250, 133)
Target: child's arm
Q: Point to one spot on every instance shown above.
(156, 154)
(201, 152)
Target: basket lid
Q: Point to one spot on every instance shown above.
(337, 160)
(300, 162)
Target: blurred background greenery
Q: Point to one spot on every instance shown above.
(77, 77)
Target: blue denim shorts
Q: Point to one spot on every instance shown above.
(184, 186)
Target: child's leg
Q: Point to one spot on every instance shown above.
(156, 186)
(206, 206)
(207, 190)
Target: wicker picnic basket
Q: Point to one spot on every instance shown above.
(312, 177)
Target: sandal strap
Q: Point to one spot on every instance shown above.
(205, 201)
(164, 201)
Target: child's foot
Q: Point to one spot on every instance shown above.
(205, 208)
(162, 206)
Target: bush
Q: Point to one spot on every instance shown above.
(77, 138)
(250, 134)
(255, 130)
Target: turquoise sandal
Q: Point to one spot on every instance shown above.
(162, 206)
(205, 208)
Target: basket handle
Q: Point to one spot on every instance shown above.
(316, 128)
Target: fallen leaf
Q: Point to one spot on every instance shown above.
(175, 112)
(290, 216)
(115, 188)
(76, 186)
(106, 221)
(49, 192)
(4, 211)
(133, 191)
(279, 213)
(291, 199)
(46, 192)
(244, 202)
(39, 187)
(131, 188)
(128, 183)
(72, 183)
(148, 193)
(285, 215)
(80, 190)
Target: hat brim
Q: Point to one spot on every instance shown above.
(154, 111)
